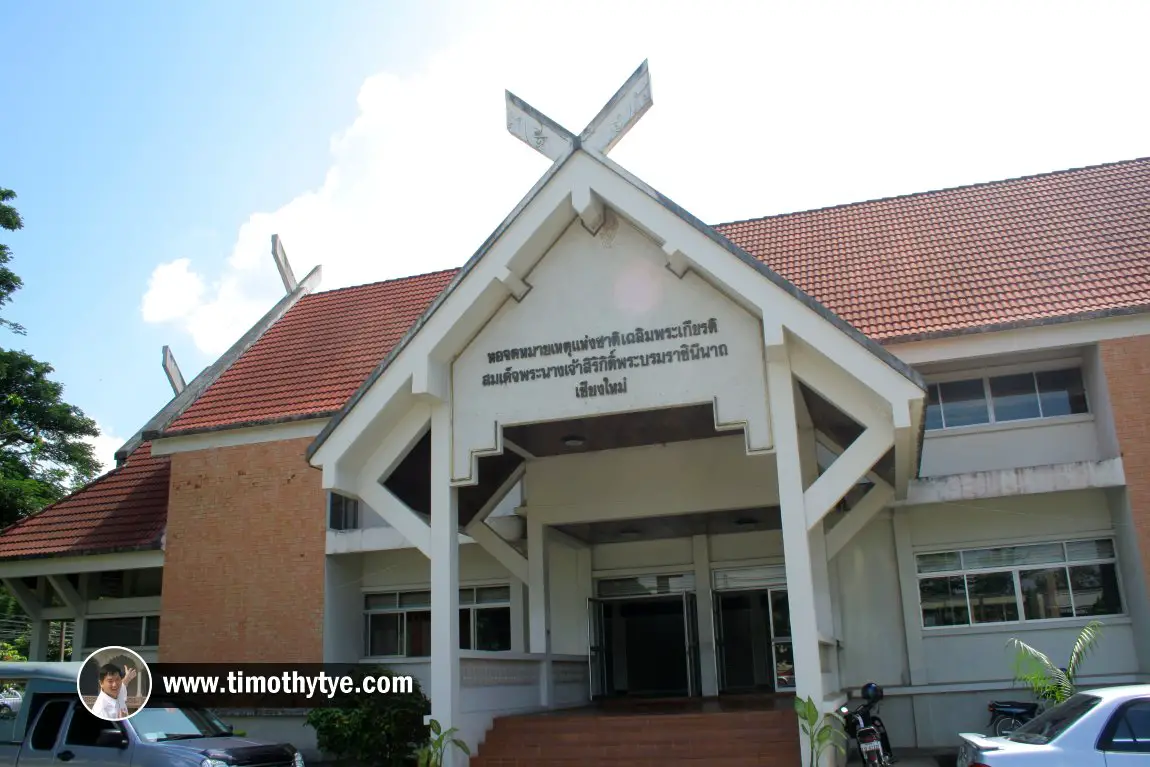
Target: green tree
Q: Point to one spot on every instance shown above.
(43, 452)
(9, 282)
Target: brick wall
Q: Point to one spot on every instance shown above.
(1126, 362)
(244, 561)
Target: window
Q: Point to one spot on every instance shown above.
(1030, 582)
(85, 727)
(47, 730)
(343, 512)
(127, 584)
(1001, 399)
(1129, 730)
(1050, 724)
(399, 623)
(140, 631)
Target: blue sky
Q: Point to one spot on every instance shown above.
(137, 133)
(155, 147)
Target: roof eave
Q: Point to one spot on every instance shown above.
(446, 293)
(209, 375)
(153, 546)
(217, 428)
(1086, 316)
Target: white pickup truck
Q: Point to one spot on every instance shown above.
(1106, 727)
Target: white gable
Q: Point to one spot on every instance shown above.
(608, 328)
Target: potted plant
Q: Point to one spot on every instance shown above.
(432, 752)
(822, 731)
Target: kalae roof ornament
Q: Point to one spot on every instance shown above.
(552, 140)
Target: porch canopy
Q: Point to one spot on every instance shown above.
(600, 308)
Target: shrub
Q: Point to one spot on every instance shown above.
(374, 730)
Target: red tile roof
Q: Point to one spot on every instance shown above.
(1058, 245)
(1055, 246)
(124, 510)
(315, 357)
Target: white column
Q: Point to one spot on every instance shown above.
(801, 583)
(445, 696)
(38, 641)
(518, 616)
(538, 592)
(708, 652)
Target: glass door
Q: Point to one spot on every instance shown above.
(691, 634)
(717, 633)
(596, 649)
(782, 650)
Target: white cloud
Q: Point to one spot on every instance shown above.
(759, 108)
(106, 446)
(174, 291)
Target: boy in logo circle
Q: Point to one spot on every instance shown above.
(112, 702)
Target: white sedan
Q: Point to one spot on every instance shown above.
(1106, 727)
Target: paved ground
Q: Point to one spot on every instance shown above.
(926, 761)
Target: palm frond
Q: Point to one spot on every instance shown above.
(1032, 667)
(1085, 643)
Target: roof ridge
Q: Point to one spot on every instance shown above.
(389, 281)
(930, 192)
(84, 487)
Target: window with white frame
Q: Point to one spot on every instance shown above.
(398, 623)
(137, 631)
(343, 512)
(1031, 582)
(1005, 398)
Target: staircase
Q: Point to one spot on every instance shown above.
(718, 738)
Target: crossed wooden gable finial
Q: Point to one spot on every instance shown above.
(552, 140)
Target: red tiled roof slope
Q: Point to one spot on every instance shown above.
(315, 357)
(1058, 245)
(125, 509)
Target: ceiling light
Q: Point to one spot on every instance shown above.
(629, 532)
(573, 440)
(746, 522)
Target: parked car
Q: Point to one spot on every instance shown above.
(52, 725)
(10, 700)
(1106, 727)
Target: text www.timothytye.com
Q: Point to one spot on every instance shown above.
(289, 683)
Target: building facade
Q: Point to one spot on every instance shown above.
(624, 453)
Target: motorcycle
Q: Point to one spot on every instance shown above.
(865, 727)
(1006, 716)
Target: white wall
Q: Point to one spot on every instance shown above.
(998, 521)
(1010, 446)
(737, 547)
(625, 318)
(1098, 393)
(343, 626)
(410, 569)
(870, 609)
(669, 552)
(683, 477)
(1023, 444)
(963, 668)
(570, 587)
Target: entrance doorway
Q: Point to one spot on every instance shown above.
(643, 645)
(753, 641)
